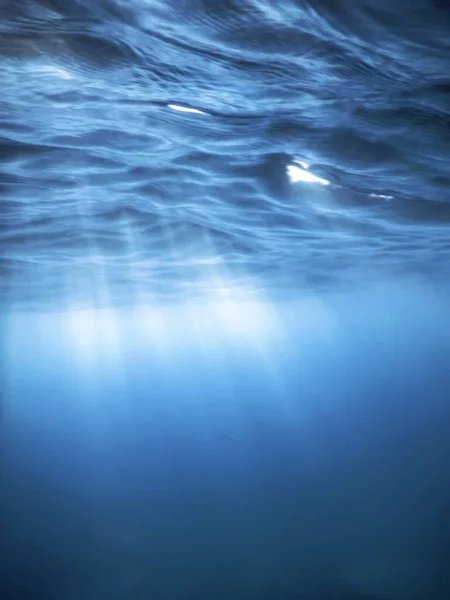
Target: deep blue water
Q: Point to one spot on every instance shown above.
(255, 451)
(225, 317)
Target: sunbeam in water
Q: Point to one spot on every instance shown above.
(224, 326)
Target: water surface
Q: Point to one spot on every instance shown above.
(107, 187)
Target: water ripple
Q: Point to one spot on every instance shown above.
(151, 148)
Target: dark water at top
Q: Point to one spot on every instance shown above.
(107, 190)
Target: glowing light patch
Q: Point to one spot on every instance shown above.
(82, 329)
(61, 73)
(186, 109)
(296, 174)
(243, 315)
(248, 319)
(92, 332)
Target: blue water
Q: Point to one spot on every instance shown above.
(224, 300)
(103, 185)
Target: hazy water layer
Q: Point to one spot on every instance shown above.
(109, 190)
(203, 453)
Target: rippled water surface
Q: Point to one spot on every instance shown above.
(166, 148)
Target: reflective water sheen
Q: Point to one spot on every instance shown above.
(150, 149)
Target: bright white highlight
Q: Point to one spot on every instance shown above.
(296, 174)
(186, 109)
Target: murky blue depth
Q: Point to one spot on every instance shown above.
(232, 451)
(225, 316)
